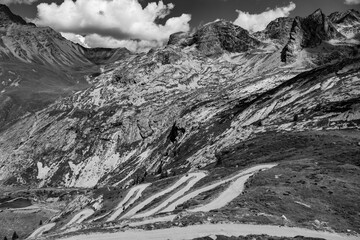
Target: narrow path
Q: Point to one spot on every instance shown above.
(197, 231)
(133, 194)
(38, 232)
(141, 205)
(234, 190)
(195, 177)
(193, 194)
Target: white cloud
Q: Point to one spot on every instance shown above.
(352, 2)
(95, 40)
(8, 2)
(76, 38)
(112, 20)
(258, 22)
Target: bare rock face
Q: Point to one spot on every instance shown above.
(309, 32)
(216, 37)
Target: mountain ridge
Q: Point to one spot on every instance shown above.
(212, 38)
(308, 33)
(6, 16)
(39, 66)
(278, 30)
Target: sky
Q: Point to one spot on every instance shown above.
(141, 24)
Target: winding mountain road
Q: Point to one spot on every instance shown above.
(38, 232)
(194, 178)
(133, 194)
(234, 190)
(196, 231)
(141, 205)
(80, 217)
(184, 185)
(195, 193)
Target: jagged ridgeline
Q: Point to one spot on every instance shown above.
(160, 136)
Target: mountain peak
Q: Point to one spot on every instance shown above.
(6, 16)
(317, 12)
(309, 32)
(279, 29)
(317, 16)
(216, 37)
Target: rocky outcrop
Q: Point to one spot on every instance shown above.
(217, 37)
(309, 32)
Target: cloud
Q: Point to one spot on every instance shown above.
(76, 38)
(352, 2)
(95, 40)
(112, 20)
(8, 2)
(258, 22)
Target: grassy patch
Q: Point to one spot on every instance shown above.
(316, 184)
(24, 223)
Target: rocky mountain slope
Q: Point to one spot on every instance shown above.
(177, 136)
(42, 45)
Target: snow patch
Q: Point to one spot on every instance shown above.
(43, 170)
(303, 204)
